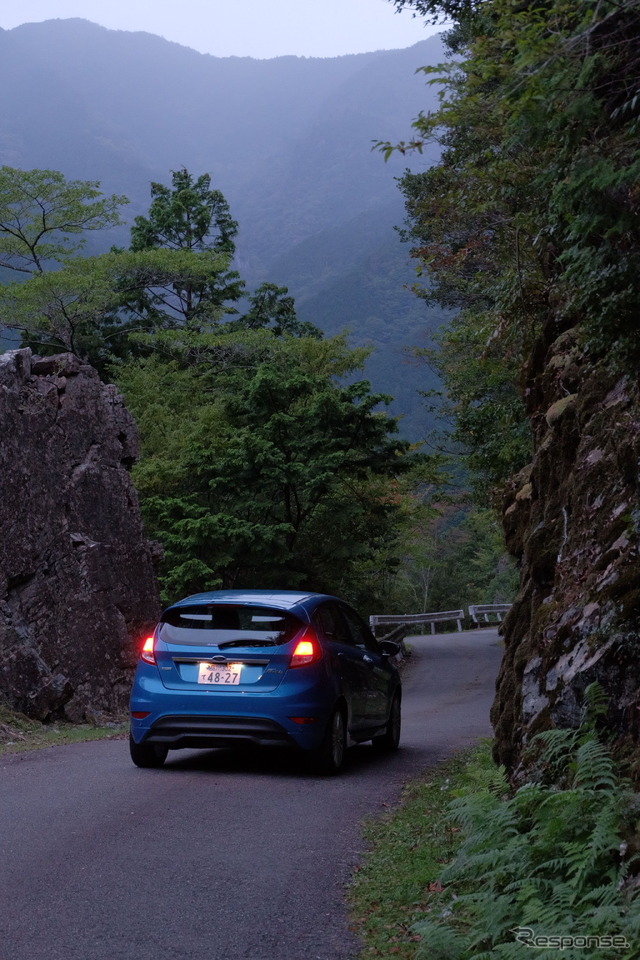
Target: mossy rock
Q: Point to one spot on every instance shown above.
(558, 409)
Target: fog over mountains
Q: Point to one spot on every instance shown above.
(288, 142)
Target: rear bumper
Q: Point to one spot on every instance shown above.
(179, 732)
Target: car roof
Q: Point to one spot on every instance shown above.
(283, 599)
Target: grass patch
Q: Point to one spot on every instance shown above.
(397, 881)
(19, 733)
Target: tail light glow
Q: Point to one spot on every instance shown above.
(307, 650)
(147, 653)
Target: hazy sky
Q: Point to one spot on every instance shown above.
(245, 28)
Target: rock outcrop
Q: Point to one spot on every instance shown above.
(77, 588)
(572, 519)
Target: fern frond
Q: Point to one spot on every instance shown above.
(490, 867)
(486, 808)
(606, 835)
(558, 747)
(553, 869)
(546, 857)
(526, 888)
(594, 767)
(596, 704)
(439, 942)
(482, 775)
(604, 896)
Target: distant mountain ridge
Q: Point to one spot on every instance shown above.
(288, 142)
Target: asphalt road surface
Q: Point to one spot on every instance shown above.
(218, 855)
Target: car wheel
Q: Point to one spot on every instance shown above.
(330, 757)
(147, 754)
(389, 741)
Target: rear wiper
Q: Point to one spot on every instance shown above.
(249, 643)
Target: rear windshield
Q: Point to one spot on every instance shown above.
(224, 623)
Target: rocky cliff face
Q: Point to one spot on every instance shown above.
(77, 588)
(572, 519)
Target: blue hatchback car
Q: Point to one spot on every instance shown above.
(268, 668)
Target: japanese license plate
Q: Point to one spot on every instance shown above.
(219, 676)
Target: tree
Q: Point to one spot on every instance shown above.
(272, 307)
(176, 273)
(258, 468)
(529, 224)
(85, 307)
(192, 217)
(43, 217)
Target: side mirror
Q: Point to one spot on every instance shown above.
(389, 648)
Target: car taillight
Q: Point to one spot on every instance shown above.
(147, 653)
(307, 650)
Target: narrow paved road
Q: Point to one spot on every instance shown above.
(217, 856)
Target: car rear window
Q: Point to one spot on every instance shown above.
(225, 623)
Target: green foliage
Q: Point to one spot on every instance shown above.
(272, 306)
(191, 216)
(43, 217)
(481, 414)
(406, 847)
(439, 10)
(551, 858)
(449, 555)
(529, 223)
(257, 467)
(92, 305)
(176, 273)
(187, 219)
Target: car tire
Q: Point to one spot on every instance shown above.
(389, 741)
(330, 757)
(147, 754)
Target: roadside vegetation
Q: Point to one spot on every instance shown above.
(528, 225)
(470, 869)
(19, 733)
(397, 880)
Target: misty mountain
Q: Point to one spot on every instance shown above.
(288, 142)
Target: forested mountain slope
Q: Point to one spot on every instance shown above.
(288, 142)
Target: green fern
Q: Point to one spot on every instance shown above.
(444, 943)
(596, 705)
(549, 857)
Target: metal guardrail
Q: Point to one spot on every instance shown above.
(441, 616)
(476, 610)
(397, 634)
(486, 609)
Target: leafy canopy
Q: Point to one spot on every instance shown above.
(258, 467)
(528, 226)
(43, 217)
(177, 272)
(189, 216)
